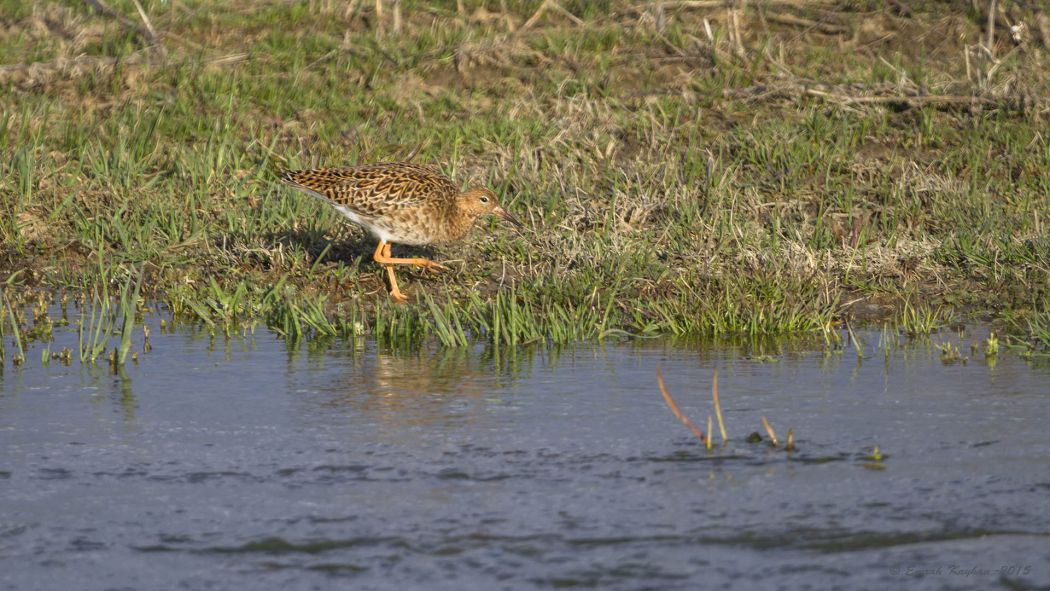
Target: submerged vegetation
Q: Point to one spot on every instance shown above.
(707, 438)
(681, 168)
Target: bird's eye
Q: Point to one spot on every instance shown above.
(484, 199)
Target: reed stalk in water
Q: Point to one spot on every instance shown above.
(677, 411)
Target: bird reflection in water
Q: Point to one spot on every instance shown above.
(444, 388)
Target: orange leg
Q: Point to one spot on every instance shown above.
(395, 293)
(382, 256)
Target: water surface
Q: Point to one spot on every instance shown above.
(246, 465)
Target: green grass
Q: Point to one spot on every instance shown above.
(660, 194)
(922, 320)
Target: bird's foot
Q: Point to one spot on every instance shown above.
(432, 266)
(398, 297)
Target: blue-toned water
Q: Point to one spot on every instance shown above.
(243, 465)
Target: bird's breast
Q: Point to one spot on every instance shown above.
(414, 226)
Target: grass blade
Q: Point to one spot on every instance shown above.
(718, 408)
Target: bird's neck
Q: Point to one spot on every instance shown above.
(457, 223)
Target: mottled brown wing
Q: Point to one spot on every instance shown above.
(375, 190)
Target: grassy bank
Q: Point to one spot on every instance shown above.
(680, 169)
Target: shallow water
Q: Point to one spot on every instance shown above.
(244, 465)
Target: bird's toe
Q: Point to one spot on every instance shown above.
(434, 267)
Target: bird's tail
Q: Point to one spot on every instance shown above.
(301, 180)
(287, 176)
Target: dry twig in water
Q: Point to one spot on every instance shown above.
(769, 431)
(674, 408)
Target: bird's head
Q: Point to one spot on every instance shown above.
(481, 201)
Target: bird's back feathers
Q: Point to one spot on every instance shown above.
(376, 190)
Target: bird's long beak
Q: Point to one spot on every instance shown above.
(503, 213)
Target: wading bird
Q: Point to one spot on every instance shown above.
(400, 202)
